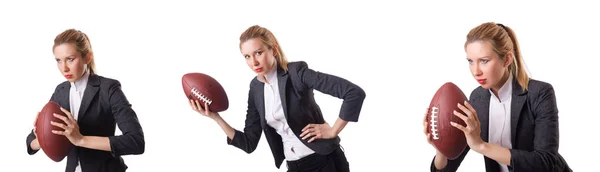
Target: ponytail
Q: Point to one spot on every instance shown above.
(517, 68)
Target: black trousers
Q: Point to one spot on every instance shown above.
(334, 162)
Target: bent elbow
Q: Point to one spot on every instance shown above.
(250, 149)
(141, 146)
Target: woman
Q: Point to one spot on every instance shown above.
(511, 119)
(281, 103)
(93, 105)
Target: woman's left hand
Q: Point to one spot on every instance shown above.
(472, 130)
(71, 129)
(318, 131)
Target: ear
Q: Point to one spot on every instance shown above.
(274, 49)
(88, 58)
(509, 59)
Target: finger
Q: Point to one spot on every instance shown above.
(465, 110)
(315, 138)
(192, 104)
(308, 135)
(58, 132)
(206, 108)
(461, 116)
(425, 115)
(198, 105)
(67, 113)
(468, 105)
(309, 130)
(305, 132)
(425, 127)
(63, 126)
(428, 137)
(460, 127)
(307, 127)
(67, 121)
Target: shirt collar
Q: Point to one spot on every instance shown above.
(81, 83)
(505, 91)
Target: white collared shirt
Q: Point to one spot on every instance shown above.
(75, 96)
(499, 118)
(293, 148)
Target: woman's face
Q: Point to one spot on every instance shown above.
(70, 62)
(258, 56)
(486, 66)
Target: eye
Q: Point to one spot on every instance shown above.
(484, 61)
(259, 53)
(70, 59)
(470, 61)
(246, 56)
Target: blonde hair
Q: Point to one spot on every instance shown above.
(81, 42)
(504, 41)
(268, 39)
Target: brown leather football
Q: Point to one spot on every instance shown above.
(204, 88)
(447, 139)
(55, 146)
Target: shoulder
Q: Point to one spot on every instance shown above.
(297, 66)
(537, 87)
(104, 81)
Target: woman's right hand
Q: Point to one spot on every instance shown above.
(428, 135)
(203, 110)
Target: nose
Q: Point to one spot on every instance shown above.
(254, 61)
(476, 71)
(64, 67)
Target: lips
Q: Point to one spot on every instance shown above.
(258, 69)
(481, 81)
(68, 76)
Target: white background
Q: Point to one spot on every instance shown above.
(398, 53)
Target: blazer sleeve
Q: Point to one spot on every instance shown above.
(248, 140)
(31, 135)
(352, 95)
(131, 142)
(452, 165)
(544, 156)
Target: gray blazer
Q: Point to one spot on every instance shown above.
(534, 130)
(300, 108)
(103, 106)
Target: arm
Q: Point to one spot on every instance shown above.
(229, 131)
(495, 152)
(442, 164)
(247, 140)
(33, 146)
(132, 140)
(352, 94)
(544, 156)
(339, 125)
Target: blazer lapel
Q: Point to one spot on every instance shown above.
(64, 100)
(484, 115)
(259, 94)
(88, 95)
(518, 100)
(282, 79)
